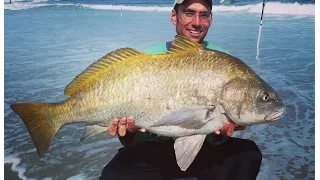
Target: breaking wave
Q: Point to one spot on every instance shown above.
(276, 8)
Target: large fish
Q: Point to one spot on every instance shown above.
(186, 93)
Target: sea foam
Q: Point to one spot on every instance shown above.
(276, 8)
(15, 162)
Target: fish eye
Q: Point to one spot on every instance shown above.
(265, 97)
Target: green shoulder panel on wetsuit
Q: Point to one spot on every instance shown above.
(162, 48)
(214, 47)
(132, 139)
(157, 49)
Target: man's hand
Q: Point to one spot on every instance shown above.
(228, 128)
(123, 126)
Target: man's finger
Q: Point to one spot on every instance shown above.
(113, 127)
(225, 127)
(230, 129)
(130, 125)
(122, 127)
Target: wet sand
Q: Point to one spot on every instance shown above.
(9, 174)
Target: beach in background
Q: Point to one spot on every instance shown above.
(48, 42)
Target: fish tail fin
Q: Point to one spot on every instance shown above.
(40, 121)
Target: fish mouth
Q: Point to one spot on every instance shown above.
(273, 116)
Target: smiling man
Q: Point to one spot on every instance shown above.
(149, 156)
(192, 19)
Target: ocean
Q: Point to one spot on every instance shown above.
(48, 42)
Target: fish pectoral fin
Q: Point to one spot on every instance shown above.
(186, 149)
(90, 131)
(191, 118)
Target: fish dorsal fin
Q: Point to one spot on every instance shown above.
(181, 44)
(98, 68)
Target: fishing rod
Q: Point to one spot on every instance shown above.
(260, 27)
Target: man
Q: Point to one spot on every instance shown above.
(149, 156)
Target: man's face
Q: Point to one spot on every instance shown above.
(191, 19)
